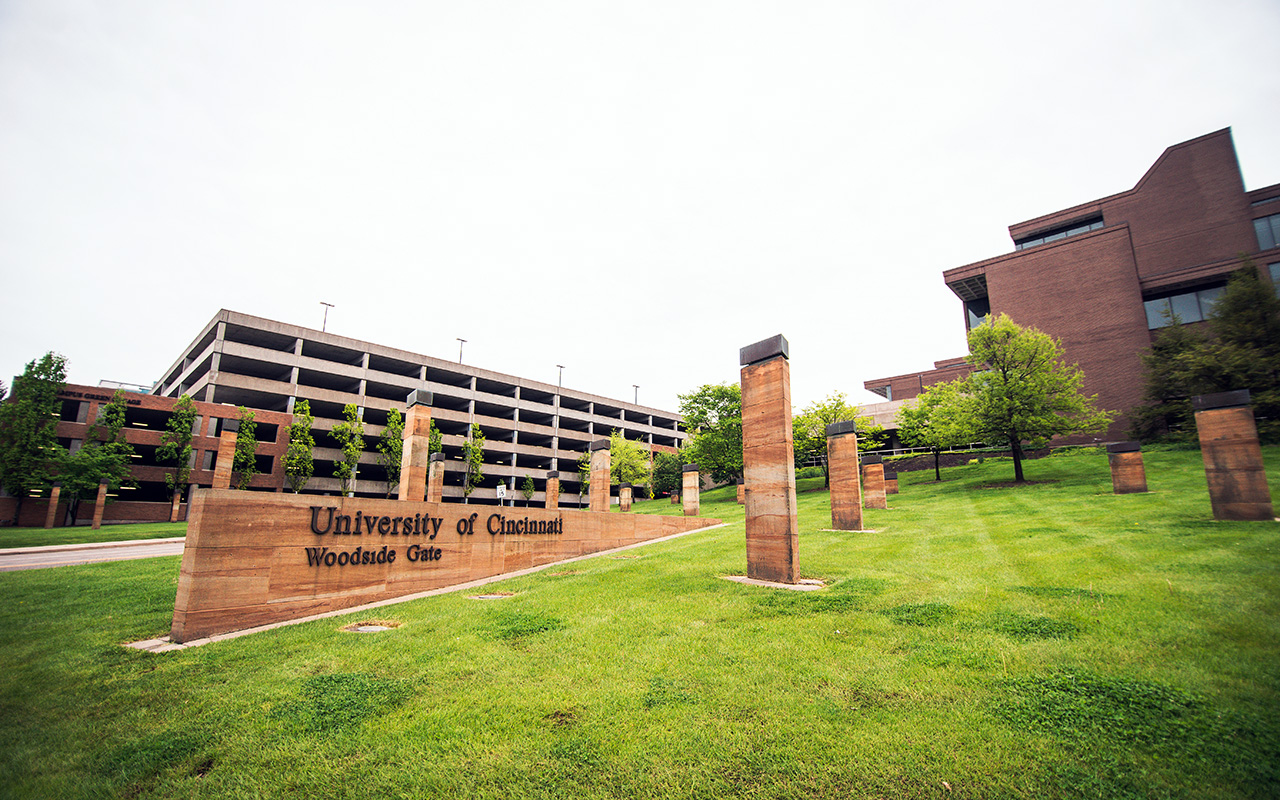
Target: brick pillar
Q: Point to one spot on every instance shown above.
(842, 467)
(226, 453)
(742, 493)
(52, 513)
(690, 489)
(891, 483)
(1128, 475)
(873, 482)
(1232, 456)
(177, 503)
(435, 478)
(553, 490)
(624, 496)
(600, 467)
(768, 462)
(415, 459)
(99, 506)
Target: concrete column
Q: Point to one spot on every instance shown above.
(553, 490)
(435, 478)
(1232, 457)
(415, 458)
(873, 482)
(691, 485)
(226, 454)
(100, 505)
(1128, 475)
(601, 464)
(891, 483)
(842, 467)
(624, 496)
(768, 462)
(52, 513)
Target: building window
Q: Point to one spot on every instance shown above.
(1053, 235)
(1268, 230)
(1193, 306)
(1275, 277)
(977, 311)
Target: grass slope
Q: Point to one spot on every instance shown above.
(81, 534)
(1051, 640)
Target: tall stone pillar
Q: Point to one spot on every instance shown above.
(100, 505)
(52, 513)
(226, 453)
(873, 482)
(600, 468)
(1232, 456)
(553, 490)
(768, 462)
(624, 496)
(690, 490)
(1128, 475)
(177, 503)
(891, 483)
(842, 468)
(742, 492)
(435, 478)
(415, 459)
(675, 498)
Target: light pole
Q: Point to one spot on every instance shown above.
(325, 322)
(636, 386)
(560, 377)
(461, 342)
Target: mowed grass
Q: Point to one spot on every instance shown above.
(1052, 640)
(81, 534)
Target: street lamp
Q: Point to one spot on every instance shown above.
(560, 377)
(325, 322)
(461, 342)
(636, 386)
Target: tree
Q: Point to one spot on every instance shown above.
(350, 436)
(28, 424)
(435, 439)
(245, 462)
(933, 421)
(809, 430)
(391, 449)
(667, 472)
(102, 458)
(299, 465)
(1021, 390)
(175, 445)
(628, 460)
(584, 474)
(713, 416)
(473, 460)
(527, 489)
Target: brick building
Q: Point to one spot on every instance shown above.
(1101, 276)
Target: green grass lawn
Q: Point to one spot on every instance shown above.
(39, 537)
(1052, 640)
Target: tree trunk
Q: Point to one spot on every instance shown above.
(1016, 447)
(937, 466)
(17, 509)
(826, 475)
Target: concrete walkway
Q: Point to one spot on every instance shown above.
(65, 555)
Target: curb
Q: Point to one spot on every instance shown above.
(61, 548)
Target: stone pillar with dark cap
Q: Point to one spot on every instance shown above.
(873, 482)
(624, 496)
(1232, 457)
(690, 489)
(435, 478)
(742, 492)
(675, 498)
(415, 458)
(52, 513)
(100, 505)
(553, 490)
(226, 453)
(768, 462)
(891, 483)
(842, 469)
(1128, 475)
(601, 466)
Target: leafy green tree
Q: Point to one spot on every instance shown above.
(584, 474)
(299, 465)
(473, 460)
(932, 421)
(102, 458)
(391, 449)
(175, 445)
(628, 460)
(1021, 390)
(349, 434)
(667, 469)
(528, 489)
(713, 415)
(435, 439)
(245, 463)
(28, 428)
(809, 430)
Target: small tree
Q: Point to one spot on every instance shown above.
(175, 445)
(391, 449)
(809, 430)
(299, 465)
(932, 421)
(527, 489)
(628, 460)
(584, 475)
(102, 458)
(473, 460)
(713, 415)
(28, 424)
(350, 436)
(435, 439)
(667, 472)
(245, 463)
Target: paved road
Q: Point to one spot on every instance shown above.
(65, 555)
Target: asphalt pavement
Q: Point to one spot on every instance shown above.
(65, 555)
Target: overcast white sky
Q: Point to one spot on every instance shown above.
(632, 189)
